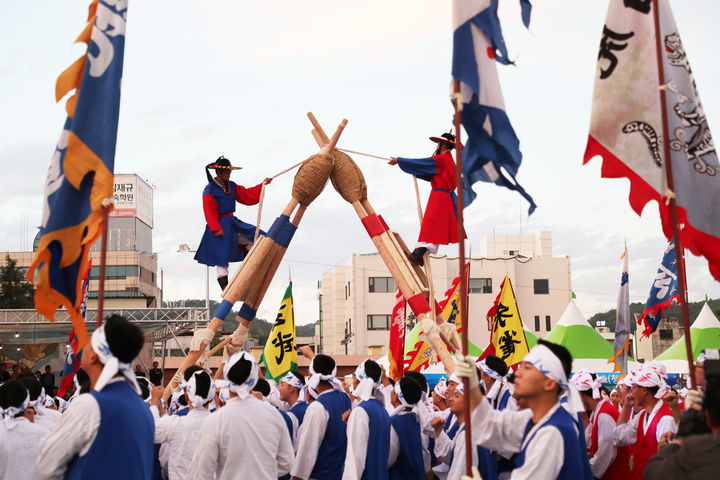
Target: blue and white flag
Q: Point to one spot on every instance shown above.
(492, 151)
(663, 293)
(80, 177)
(622, 320)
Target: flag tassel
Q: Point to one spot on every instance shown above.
(682, 280)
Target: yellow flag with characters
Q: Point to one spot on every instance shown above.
(280, 354)
(507, 339)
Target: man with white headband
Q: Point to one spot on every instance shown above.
(482, 458)
(322, 438)
(545, 435)
(493, 370)
(180, 433)
(19, 436)
(645, 430)
(606, 461)
(107, 433)
(292, 391)
(405, 458)
(425, 414)
(44, 418)
(445, 431)
(439, 397)
(247, 438)
(368, 427)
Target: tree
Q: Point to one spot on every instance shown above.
(15, 290)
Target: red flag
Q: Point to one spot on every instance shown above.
(396, 345)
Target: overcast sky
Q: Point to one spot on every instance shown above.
(236, 78)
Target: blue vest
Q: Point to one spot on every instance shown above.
(330, 461)
(299, 411)
(409, 464)
(451, 431)
(378, 446)
(576, 465)
(288, 422)
(123, 447)
(503, 401)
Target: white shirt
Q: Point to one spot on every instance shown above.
(457, 468)
(503, 431)
(180, 434)
(606, 451)
(310, 436)
(358, 432)
(626, 434)
(73, 435)
(46, 417)
(246, 439)
(19, 449)
(443, 451)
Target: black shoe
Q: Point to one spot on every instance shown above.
(223, 281)
(417, 256)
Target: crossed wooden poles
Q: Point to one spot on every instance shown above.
(251, 281)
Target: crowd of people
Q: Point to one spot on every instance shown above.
(538, 421)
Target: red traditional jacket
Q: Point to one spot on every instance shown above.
(439, 223)
(619, 469)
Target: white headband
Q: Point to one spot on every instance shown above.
(316, 378)
(10, 412)
(401, 397)
(196, 400)
(550, 365)
(243, 390)
(441, 389)
(149, 387)
(49, 401)
(648, 378)
(495, 389)
(111, 364)
(40, 400)
(367, 387)
(583, 381)
(293, 381)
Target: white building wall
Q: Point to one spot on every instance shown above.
(534, 261)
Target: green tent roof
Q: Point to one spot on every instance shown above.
(575, 333)
(704, 333)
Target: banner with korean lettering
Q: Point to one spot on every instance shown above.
(507, 337)
(280, 352)
(626, 126)
(80, 177)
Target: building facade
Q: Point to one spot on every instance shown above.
(356, 299)
(131, 266)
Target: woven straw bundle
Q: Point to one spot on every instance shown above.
(347, 178)
(310, 180)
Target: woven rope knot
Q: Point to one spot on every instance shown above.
(310, 180)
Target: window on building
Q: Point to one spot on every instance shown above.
(537, 323)
(116, 271)
(378, 322)
(480, 285)
(666, 334)
(548, 325)
(381, 284)
(541, 286)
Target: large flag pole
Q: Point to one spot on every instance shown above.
(680, 258)
(463, 278)
(103, 259)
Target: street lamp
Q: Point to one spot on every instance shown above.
(184, 248)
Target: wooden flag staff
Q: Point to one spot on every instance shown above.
(679, 254)
(463, 278)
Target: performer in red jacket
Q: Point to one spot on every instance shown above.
(226, 238)
(439, 224)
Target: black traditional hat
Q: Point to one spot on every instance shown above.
(220, 163)
(447, 138)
